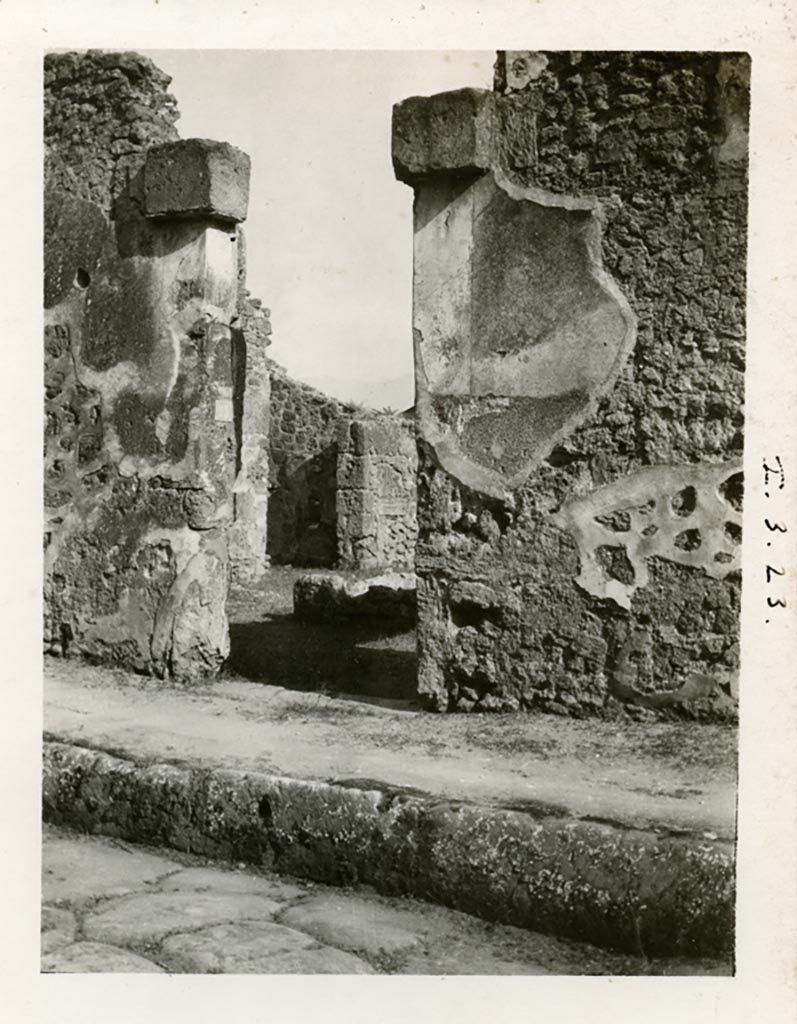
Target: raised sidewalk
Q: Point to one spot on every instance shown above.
(616, 833)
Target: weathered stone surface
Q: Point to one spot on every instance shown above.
(82, 228)
(256, 949)
(138, 469)
(376, 492)
(96, 957)
(450, 133)
(72, 871)
(341, 482)
(150, 347)
(515, 69)
(212, 880)
(302, 525)
(247, 537)
(397, 935)
(196, 177)
(329, 597)
(58, 928)
(517, 326)
(733, 78)
(617, 887)
(137, 919)
(351, 923)
(659, 140)
(678, 513)
(101, 112)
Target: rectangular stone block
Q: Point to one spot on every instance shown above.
(450, 133)
(196, 177)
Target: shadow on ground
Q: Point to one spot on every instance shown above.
(366, 659)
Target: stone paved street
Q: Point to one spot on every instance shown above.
(110, 906)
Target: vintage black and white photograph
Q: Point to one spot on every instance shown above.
(393, 485)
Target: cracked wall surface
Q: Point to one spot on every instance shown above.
(530, 587)
(141, 294)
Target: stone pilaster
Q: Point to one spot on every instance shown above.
(578, 305)
(140, 440)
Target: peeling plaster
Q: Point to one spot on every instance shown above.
(517, 325)
(648, 498)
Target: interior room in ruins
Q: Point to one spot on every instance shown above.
(567, 487)
(477, 655)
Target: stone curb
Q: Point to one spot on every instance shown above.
(627, 890)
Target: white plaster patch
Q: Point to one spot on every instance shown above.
(162, 425)
(183, 541)
(221, 270)
(648, 500)
(522, 67)
(113, 382)
(510, 301)
(223, 410)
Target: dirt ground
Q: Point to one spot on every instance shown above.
(375, 663)
(370, 658)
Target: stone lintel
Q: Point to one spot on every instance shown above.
(196, 178)
(450, 133)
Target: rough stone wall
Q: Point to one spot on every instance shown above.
(101, 112)
(302, 473)
(579, 529)
(376, 492)
(141, 289)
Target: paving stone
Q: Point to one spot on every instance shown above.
(357, 924)
(199, 879)
(256, 948)
(91, 957)
(58, 928)
(153, 915)
(73, 869)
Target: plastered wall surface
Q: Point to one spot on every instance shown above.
(141, 294)
(251, 335)
(595, 394)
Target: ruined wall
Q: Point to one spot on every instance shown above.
(579, 327)
(141, 289)
(101, 112)
(302, 473)
(251, 336)
(376, 492)
(342, 483)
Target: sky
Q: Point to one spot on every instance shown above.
(329, 229)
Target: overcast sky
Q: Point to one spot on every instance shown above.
(329, 231)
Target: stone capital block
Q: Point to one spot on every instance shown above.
(451, 133)
(196, 178)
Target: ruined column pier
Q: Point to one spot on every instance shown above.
(578, 321)
(144, 404)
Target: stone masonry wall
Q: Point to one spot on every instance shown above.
(302, 473)
(342, 483)
(141, 289)
(376, 492)
(579, 323)
(101, 113)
